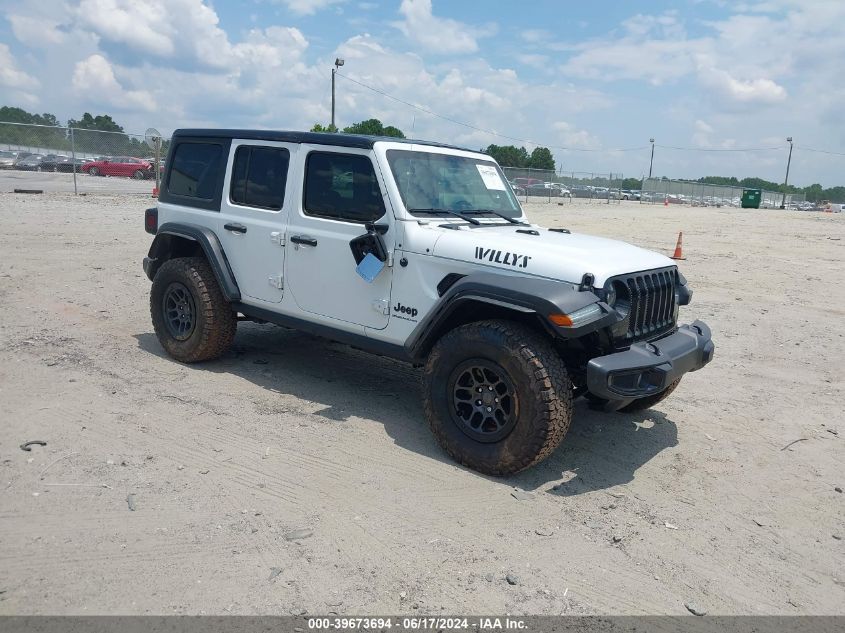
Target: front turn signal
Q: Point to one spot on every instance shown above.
(579, 317)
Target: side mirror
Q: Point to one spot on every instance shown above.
(370, 243)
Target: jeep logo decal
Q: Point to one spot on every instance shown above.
(502, 257)
(400, 309)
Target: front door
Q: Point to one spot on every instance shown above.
(342, 192)
(252, 217)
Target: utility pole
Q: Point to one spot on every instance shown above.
(651, 163)
(338, 62)
(786, 179)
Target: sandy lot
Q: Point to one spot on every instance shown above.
(703, 499)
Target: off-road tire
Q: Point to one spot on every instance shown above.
(641, 404)
(215, 322)
(543, 391)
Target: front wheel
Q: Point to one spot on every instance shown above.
(498, 397)
(138, 175)
(192, 320)
(93, 171)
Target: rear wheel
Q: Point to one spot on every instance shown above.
(192, 320)
(497, 396)
(94, 171)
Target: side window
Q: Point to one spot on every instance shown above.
(342, 186)
(259, 176)
(194, 171)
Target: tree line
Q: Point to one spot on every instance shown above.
(813, 193)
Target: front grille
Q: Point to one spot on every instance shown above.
(652, 298)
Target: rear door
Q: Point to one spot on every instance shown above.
(253, 212)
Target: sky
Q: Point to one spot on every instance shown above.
(593, 81)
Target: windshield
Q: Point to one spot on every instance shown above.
(430, 182)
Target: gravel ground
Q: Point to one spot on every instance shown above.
(49, 182)
(297, 475)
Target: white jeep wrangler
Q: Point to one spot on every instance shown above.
(421, 252)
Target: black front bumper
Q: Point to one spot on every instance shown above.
(648, 368)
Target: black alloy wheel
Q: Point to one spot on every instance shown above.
(179, 311)
(484, 399)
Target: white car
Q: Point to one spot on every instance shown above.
(421, 252)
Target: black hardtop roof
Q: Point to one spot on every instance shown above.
(317, 138)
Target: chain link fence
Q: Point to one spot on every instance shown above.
(544, 185)
(54, 158)
(697, 194)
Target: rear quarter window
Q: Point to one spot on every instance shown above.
(195, 171)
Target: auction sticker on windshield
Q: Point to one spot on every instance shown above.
(491, 177)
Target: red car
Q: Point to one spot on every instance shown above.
(120, 166)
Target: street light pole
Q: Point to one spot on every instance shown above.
(651, 163)
(786, 179)
(338, 62)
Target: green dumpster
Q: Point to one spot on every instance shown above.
(751, 198)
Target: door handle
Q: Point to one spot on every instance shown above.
(304, 240)
(237, 228)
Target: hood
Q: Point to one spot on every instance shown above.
(561, 256)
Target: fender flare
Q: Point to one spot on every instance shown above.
(521, 294)
(162, 250)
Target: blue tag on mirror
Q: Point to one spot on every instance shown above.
(369, 268)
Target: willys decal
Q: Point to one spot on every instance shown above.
(502, 257)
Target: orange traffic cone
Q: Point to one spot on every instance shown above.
(155, 192)
(679, 247)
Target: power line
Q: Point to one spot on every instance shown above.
(819, 151)
(710, 149)
(479, 129)
(573, 149)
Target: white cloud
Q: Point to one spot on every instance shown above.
(533, 59)
(435, 34)
(309, 7)
(569, 136)
(710, 84)
(11, 76)
(95, 77)
(161, 28)
(38, 31)
(535, 35)
(751, 91)
(141, 25)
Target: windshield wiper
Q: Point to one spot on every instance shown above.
(457, 214)
(501, 215)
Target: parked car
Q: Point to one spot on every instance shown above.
(545, 189)
(61, 163)
(7, 159)
(120, 166)
(29, 163)
(520, 191)
(581, 191)
(527, 182)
